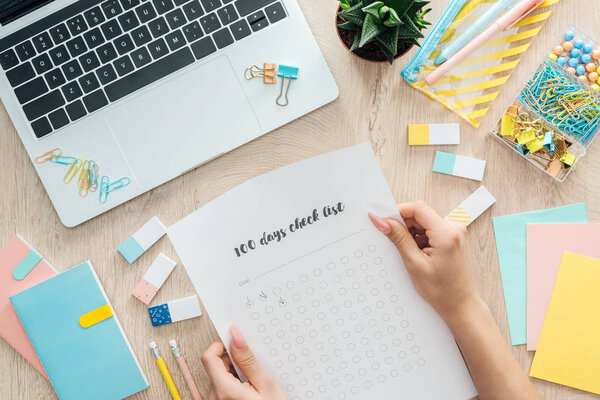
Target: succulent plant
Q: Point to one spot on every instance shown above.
(384, 22)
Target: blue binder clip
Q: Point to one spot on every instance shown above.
(286, 73)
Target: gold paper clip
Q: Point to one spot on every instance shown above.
(49, 155)
(267, 73)
(73, 170)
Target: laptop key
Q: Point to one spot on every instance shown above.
(175, 18)
(223, 38)
(42, 64)
(128, 21)
(123, 65)
(93, 38)
(20, 74)
(89, 82)
(55, 78)
(246, 7)
(227, 14)
(106, 74)
(60, 33)
(193, 10)
(111, 8)
(149, 74)
(180, 2)
(8, 59)
(210, 23)
(94, 16)
(158, 27)
(258, 21)
(240, 29)
(158, 48)
(111, 29)
(77, 25)
(210, 5)
(129, 4)
(25, 51)
(106, 53)
(41, 127)
(275, 12)
(124, 44)
(72, 70)
(141, 57)
(95, 101)
(203, 47)
(145, 12)
(175, 40)
(58, 118)
(31, 90)
(76, 110)
(192, 31)
(89, 61)
(71, 91)
(42, 42)
(163, 6)
(43, 105)
(76, 47)
(141, 36)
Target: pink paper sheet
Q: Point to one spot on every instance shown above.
(11, 329)
(545, 246)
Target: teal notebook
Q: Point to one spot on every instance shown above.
(79, 341)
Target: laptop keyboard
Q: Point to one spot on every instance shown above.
(92, 53)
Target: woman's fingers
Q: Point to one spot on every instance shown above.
(247, 363)
(421, 213)
(215, 367)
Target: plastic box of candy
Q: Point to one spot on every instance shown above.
(553, 120)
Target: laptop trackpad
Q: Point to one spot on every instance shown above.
(183, 122)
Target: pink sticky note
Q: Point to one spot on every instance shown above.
(545, 246)
(27, 274)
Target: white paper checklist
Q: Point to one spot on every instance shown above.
(321, 295)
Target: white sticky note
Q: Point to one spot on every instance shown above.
(470, 209)
(433, 134)
(464, 167)
(175, 310)
(160, 270)
(149, 234)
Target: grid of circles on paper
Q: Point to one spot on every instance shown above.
(336, 330)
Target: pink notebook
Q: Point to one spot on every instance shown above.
(546, 244)
(20, 268)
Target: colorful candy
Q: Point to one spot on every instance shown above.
(590, 67)
(596, 87)
(573, 62)
(562, 61)
(575, 53)
(578, 44)
(580, 69)
(596, 54)
(553, 57)
(572, 70)
(586, 58)
(588, 48)
(568, 46)
(558, 50)
(570, 35)
(583, 78)
(593, 77)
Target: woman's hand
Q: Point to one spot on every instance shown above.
(434, 254)
(225, 386)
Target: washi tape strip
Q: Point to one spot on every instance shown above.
(175, 310)
(32, 259)
(153, 279)
(470, 209)
(98, 315)
(464, 167)
(142, 240)
(433, 134)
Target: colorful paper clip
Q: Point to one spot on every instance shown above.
(48, 156)
(63, 160)
(289, 73)
(267, 73)
(93, 176)
(106, 187)
(73, 170)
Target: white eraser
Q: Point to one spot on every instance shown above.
(154, 278)
(149, 234)
(470, 209)
(186, 308)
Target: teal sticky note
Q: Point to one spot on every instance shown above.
(444, 162)
(511, 243)
(131, 250)
(26, 265)
(94, 363)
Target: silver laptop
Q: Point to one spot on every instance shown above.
(149, 89)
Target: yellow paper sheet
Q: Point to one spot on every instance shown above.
(568, 352)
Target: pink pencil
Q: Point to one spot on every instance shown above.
(507, 21)
(185, 370)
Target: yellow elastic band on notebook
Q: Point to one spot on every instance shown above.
(95, 316)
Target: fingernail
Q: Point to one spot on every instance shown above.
(380, 224)
(238, 339)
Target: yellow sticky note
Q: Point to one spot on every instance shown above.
(418, 135)
(507, 125)
(568, 352)
(93, 317)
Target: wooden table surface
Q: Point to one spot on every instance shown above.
(375, 105)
